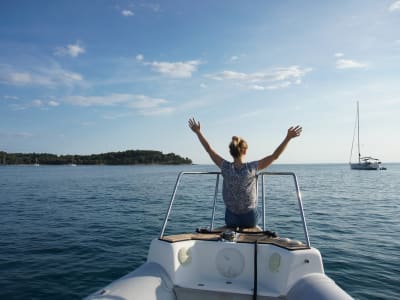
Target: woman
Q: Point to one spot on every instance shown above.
(239, 189)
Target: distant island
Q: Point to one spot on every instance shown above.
(129, 157)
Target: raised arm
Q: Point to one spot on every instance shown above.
(195, 126)
(266, 161)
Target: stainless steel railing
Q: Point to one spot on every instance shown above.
(262, 175)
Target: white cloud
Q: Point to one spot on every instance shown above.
(53, 103)
(395, 6)
(50, 76)
(144, 102)
(172, 69)
(272, 79)
(235, 58)
(339, 54)
(114, 116)
(72, 50)
(232, 75)
(144, 105)
(8, 97)
(44, 103)
(37, 103)
(349, 64)
(175, 69)
(109, 100)
(20, 78)
(127, 13)
(279, 85)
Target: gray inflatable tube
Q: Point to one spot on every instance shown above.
(148, 282)
(317, 287)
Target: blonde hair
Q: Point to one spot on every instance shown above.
(237, 147)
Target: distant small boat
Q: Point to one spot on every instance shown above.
(36, 164)
(366, 162)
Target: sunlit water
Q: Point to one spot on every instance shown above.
(67, 231)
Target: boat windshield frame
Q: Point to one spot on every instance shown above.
(259, 175)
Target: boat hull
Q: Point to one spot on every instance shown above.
(365, 166)
(215, 269)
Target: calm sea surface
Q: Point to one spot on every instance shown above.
(67, 231)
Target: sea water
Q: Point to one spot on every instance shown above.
(67, 231)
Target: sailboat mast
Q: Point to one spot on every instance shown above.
(358, 133)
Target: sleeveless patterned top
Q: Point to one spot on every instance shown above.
(239, 189)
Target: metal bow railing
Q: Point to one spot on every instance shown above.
(262, 175)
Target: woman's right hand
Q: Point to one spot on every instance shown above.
(294, 132)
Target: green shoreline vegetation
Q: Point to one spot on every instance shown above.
(129, 157)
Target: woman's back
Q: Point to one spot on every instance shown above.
(239, 188)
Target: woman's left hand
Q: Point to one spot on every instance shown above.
(195, 126)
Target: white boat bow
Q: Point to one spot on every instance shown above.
(227, 264)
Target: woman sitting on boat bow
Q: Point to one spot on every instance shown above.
(239, 190)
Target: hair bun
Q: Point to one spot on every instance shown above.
(236, 140)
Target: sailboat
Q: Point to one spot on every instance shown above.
(366, 162)
(72, 164)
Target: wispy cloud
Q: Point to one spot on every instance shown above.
(50, 76)
(72, 50)
(127, 13)
(142, 104)
(15, 77)
(139, 57)
(155, 7)
(37, 103)
(272, 79)
(108, 100)
(8, 97)
(175, 69)
(349, 64)
(172, 69)
(53, 103)
(395, 6)
(344, 63)
(10, 134)
(235, 58)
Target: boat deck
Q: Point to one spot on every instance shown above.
(250, 236)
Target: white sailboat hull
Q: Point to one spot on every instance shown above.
(365, 166)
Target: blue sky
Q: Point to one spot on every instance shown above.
(81, 77)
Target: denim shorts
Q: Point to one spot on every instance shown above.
(249, 219)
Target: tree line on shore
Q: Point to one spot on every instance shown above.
(129, 157)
